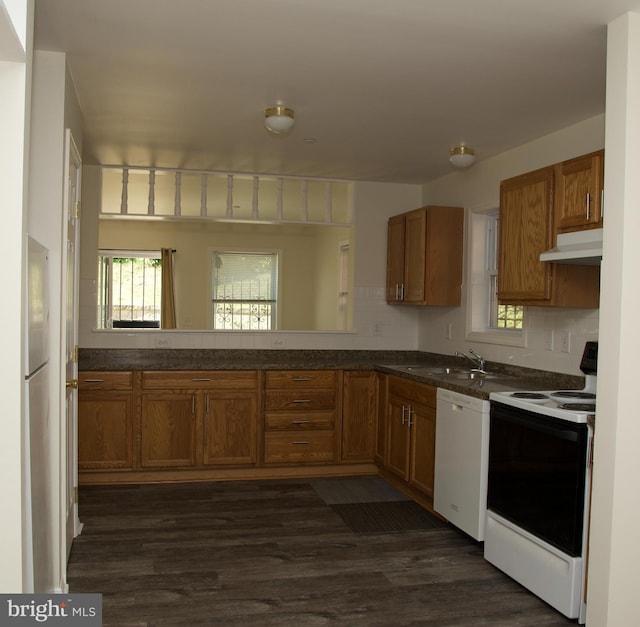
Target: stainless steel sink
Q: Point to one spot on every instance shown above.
(448, 372)
(472, 375)
(427, 370)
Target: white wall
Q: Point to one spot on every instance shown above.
(479, 188)
(614, 547)
(373, 204)
(15, 77)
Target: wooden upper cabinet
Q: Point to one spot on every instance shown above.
(526, 230)
(526, 220)
(579, 193)
(395, 258)
(424, 256)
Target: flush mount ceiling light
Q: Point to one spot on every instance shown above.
(461, 156)
(278, 119)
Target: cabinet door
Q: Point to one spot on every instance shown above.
(579, 185)
(105, 429)
(168, 429)
(423, 448)
(398, 435)
(395, 258)
(381, 410)
(231, 427)
(415, 256)
(526, 205)
(359, 416)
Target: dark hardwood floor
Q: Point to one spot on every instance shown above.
(276, 553)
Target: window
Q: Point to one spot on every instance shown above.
(487, 320)
(244, 290)
(500, 316)
(129, 289)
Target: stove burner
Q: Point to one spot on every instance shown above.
(578, 407)
(587, 396)
(530, 396)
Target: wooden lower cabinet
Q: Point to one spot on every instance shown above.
(230, 428)
(105, 420)
(206, 418)
(168, 429)
(152, 425)
(359, 409)
(411, 420)
(301, 416)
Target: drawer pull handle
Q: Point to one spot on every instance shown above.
(301, 442)
(302, 400)
(300, 422)
(201, 379)
(301, 378)
(93, 380)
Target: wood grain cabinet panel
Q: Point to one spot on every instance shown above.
(580, 193)
(526, 230)
(199, 418)
(410, 441)
(105, 420)
(168, 430)
(359, 408)
(301, 416)
(230, 428)
(424, 256)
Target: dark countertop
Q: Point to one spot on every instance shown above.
(504, 378)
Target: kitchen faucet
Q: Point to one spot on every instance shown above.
(477, 360)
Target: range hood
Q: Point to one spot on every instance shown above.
(579, 247)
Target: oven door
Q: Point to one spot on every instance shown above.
(537, 474)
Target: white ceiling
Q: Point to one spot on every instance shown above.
(385, 87)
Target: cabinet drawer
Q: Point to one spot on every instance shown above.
(417, 392)
(215, 379)
(103, 380)
(314, 446)
(300, 400)
(292, 421)
(301, 378)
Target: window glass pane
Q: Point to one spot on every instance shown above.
(244, 289)
(129, 291)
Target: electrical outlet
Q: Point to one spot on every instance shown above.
(377, 328)
(449, 330)
(163, 342)
(564, 342)
(278, 343)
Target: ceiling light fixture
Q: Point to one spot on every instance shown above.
(462, 156)
(278, 119)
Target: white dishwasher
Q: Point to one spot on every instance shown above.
(462, 456)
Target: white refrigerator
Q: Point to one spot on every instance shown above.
(37, 510)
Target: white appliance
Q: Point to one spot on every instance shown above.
(462, 452)
(37, 509)
(540, 458)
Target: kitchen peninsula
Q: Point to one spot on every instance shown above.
(154, 415)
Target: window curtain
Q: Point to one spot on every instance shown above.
(168, 316)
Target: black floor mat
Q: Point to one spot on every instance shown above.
(387, 517)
